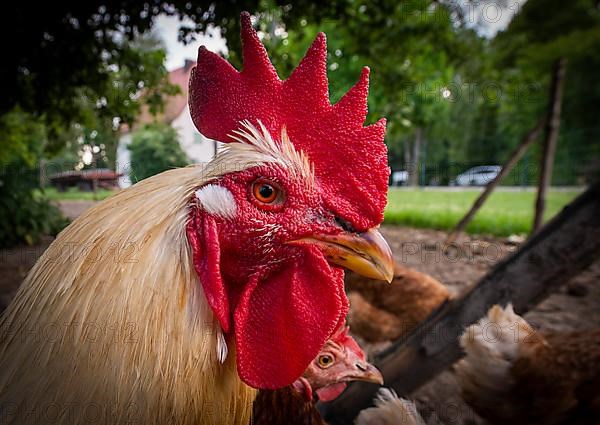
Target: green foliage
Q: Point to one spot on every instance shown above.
(28, 219)
(525, 53)
(154, 149)
(85, 117)
(64, 51)
(24, 217)
(68, 84)
(139, 81)
(22, 139)
(506, 212)
(411, 48)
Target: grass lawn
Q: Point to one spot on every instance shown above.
(73, 194)
(505, 212)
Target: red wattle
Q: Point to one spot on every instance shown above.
(331, 392)
(204, 240)
(282, 322)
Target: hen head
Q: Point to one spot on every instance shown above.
(340, 361)
(302, 191)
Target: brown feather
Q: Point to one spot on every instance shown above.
(284, 407)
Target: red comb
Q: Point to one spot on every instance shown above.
(341, 337)
(350, 160)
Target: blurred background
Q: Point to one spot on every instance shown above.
(94, 98)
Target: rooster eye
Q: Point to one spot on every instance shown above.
(325, 361)
(265, 192)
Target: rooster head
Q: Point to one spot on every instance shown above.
(295, 196)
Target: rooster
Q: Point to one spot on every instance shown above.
(174, 300)
(513, 374)
(340, 361)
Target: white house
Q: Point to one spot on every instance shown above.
(176, 112)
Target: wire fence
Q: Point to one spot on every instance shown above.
(574, 165)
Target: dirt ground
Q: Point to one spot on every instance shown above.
(575, 306)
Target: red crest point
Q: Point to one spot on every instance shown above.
(343, 338)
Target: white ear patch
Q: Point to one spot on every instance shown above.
(217, 200)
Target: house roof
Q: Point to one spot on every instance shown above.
(173, 105)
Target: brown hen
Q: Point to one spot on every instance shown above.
(513, 374)
(386, 312)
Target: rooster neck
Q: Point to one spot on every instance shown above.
(112, 321)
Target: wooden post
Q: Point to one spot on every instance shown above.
(550, 140)
(413, 170)
(568, 244)
(512, 161)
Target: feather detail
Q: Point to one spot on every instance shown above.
(217, 200)
(492, 346)
(282, 153)
(222, 349)
(390, 410)
(514, 374)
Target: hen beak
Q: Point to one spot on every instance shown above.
(367, 254)
(366, 372)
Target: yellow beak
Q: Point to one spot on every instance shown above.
(367, 254)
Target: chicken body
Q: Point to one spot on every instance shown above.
(285, 406)
(513, 374)
(386, 312)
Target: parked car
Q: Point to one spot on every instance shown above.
(399, 178)
(478, 176)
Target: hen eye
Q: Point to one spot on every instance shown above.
(325, 361)
(265, 192)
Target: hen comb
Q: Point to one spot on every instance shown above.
(350, 160)
(342, 338)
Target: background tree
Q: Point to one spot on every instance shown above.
(155, 148)
(24, 216)
(543, 32)
(141, 82)
(409, 46)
